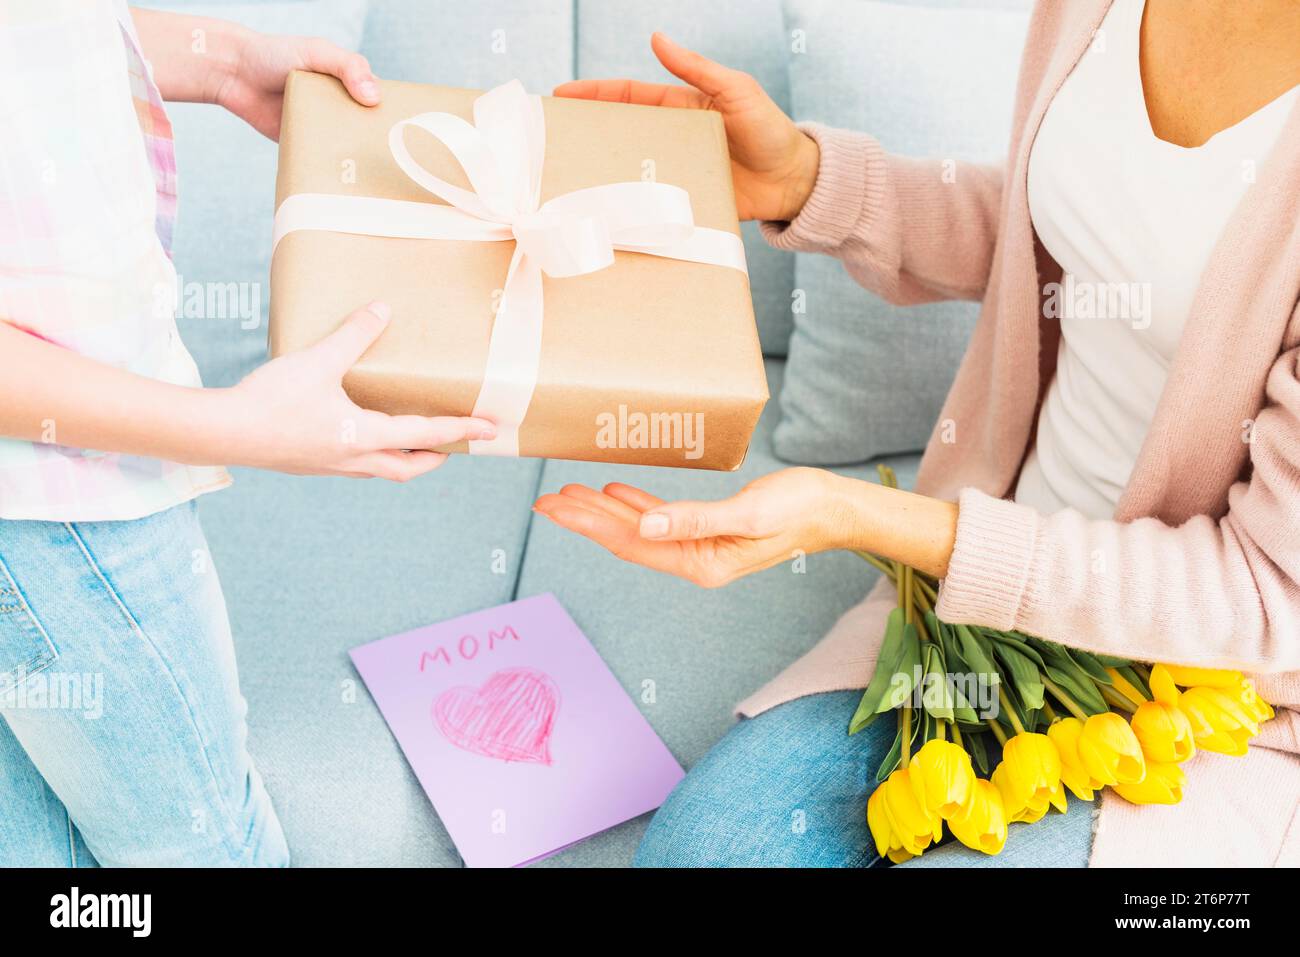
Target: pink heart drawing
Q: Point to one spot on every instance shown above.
(510, 718)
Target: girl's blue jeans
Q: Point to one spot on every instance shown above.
(789, 788)
(122, 732)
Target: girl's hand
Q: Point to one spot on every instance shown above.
(253, 87)
(292, 415)
(769, 521)
(773, 164)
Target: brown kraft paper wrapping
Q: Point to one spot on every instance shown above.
(650, 351)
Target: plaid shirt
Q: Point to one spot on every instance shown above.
(86, 217)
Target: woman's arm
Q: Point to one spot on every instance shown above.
(781, 516)
(291, 415)
(909, 230)
(205, 60)
(1219, 593)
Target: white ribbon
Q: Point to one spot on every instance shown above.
(570, 235)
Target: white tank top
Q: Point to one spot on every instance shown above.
(1132, 220)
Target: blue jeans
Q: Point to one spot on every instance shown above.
(789, 788)
(122, 733)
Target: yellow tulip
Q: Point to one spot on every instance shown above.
(982, 823)
(1065, 735)
(1015, 805)
(1164, 732)
(942, 777)
(1022, 808)
(887, 842)
(1162, 685)
(1188, 677)
(1219, 723)
(1162, 785)
(1125, 687)
(913, 826)
(1110, 751)
(1031, 776)
(1245, 693)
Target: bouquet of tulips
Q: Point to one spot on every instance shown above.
(995, 726)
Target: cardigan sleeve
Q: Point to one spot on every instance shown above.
(1220, 593)
(909, 230)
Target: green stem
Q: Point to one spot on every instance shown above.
(1011, 712)
(887, 568)
(939, 732)
(1064, 698)
(956, 735)
(1117, 699)
(907, 736)
(997, 731)
(1050, 711)
(922, 600)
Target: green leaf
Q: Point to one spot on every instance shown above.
(1022, 646)
(974, 653)
(1023, 675)
(895, 755)
(1090, 665)
(937, 692)
(891, 650)
(1110, 661)
(903, 679)
(963, 710)
(1084, 693)
(1134, 678)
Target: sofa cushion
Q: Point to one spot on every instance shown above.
(686, 655)
(614, 41)
(476, 45)
(313, 567)
(866, 378)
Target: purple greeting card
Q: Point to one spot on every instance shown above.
(520, 735)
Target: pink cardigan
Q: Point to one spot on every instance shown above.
(1201, 562)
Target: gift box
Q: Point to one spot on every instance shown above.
(571, 270)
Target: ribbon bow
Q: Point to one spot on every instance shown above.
(502, 154)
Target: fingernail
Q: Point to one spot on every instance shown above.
(381, 309)
(654, 526)
(369, 89)
(485, 434)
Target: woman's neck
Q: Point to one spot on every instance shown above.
(1209, 64)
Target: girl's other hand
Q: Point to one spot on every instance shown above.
(292, 415)
(253, 87)
(773, 164)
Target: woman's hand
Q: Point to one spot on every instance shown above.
(793, 512)
(769, 521)
(292, 415)
(253, 89)
(773, 164)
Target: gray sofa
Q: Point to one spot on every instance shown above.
(314, 567)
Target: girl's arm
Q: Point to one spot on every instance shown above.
(909, 230)
(205, 60)
(291, 415)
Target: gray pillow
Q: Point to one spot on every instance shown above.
(865, 378)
